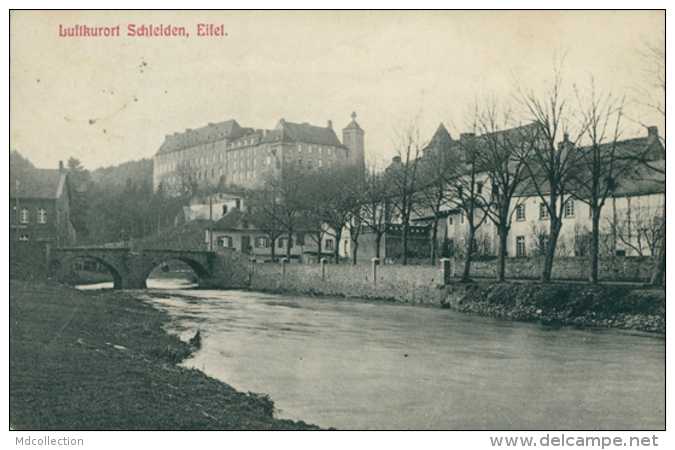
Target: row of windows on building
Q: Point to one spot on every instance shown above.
(265, 242)
(543, 211)
(238, 155)
(24, 216)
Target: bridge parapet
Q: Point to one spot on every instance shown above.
(130, 268)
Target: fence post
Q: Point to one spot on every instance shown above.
(376, 262)
(323, 269)
(251, 270)
(446, 269)
(284, 261)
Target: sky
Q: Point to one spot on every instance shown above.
(108, 100)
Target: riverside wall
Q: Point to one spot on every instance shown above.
(415, 284)
(422, 284)
(577, 304)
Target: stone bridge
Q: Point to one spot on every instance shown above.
(130, 268)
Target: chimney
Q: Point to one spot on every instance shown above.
(61, 166)
(330, 124)
(396, 160)
(653, 132)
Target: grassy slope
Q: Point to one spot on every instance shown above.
(66, 372)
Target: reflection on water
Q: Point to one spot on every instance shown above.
(368, 365)
(152, 283)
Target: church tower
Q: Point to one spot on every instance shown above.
(352, 138)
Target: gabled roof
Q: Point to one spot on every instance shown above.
(303, 133)
(37, 183)
(229, 129)
(284, 132)
(229, 221)
(643, 180)
(441, 138)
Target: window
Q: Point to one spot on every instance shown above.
(329, 244)
(261, 242)
(461, 217)
(227, 241)
(480, 187)
(300, 239)
(320, 163)
(284, 242)
(520, 246)
(42, 215)
(299, 148)
(309, 163)
(24, 237)
(569, 208)
(543, 212)
(310, 149)
(24, 215)
(329, 150)
(520, 212)
(450, 220)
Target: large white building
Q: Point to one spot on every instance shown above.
(630, 221)
(228, 154)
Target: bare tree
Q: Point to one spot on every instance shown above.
(376, 210)
(435, 171)
(551, 163)
(264, 212)
(288, 188)
(502, 154)
(654, 99)
(341, 188)
(467, 186)
(598, 164)
(402, 175)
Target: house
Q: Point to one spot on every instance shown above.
(228, 154)
(630, 222)
(235, 232)
(39, 205)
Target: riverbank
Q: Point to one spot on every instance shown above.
(581, 305)
(623, 306)
(103, 361)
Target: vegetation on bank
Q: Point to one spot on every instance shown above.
(606, 306)
(102, 361)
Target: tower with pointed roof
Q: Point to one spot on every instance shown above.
(352, 138)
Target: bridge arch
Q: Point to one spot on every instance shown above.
(65, 264)
(197, 267)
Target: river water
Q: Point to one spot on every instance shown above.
(354, 364)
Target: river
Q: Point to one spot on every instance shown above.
(354, 364)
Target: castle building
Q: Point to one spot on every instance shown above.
(227, 154)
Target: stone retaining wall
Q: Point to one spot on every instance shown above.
(399, 283)
(637, 269)
(420, 284)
